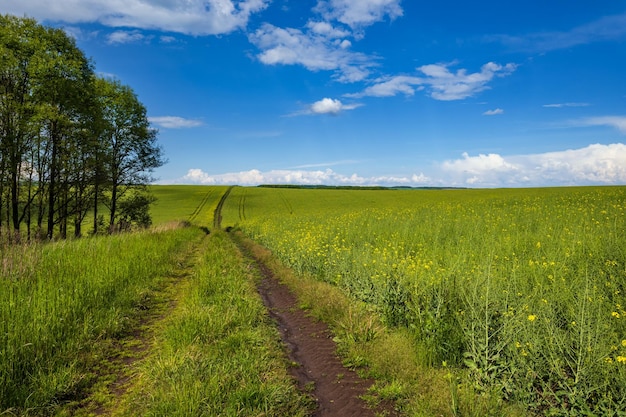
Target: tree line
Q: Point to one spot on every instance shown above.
(72, 143)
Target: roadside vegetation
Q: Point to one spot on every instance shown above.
(457, 302)
(514, 295)
(165, 322)
(217, 353)
(58, 301)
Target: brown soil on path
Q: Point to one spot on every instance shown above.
(318, 370)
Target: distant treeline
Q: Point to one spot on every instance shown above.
(70, 141)
(357, 187)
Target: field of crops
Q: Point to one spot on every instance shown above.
(515, 294)
(192, 203)
(524, 289)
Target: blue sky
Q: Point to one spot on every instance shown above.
(362, 92)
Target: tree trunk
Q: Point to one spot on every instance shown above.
(113, 208)
(52, 184)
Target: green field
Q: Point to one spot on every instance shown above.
(192, 203)
(459, 302)
(522, 288)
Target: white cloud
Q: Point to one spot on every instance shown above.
(331, 106)
(441, 83)
(123, 36)
(560, 105)
(327, 30)
(323, 43)
(359, 13)
(445, 85)
(594, 164)
(391, 86)
(167, 39)
(300, 177)
(316, 49)
(174, 122)
(493, 112)
(618, 122)
(195, 17)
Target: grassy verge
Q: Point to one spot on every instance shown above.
(217, 354)
(59, 301)
(390, 356)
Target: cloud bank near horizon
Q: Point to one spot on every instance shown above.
(596, 164)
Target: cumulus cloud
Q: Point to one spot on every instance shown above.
(359, 13)
(174, 122)
(317, 48)
(493, 112)
(323, 43)
(439, 81)
(330, 106)
(298, 176)
(194, 17)
(594, 164)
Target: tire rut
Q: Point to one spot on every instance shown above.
(317, 369)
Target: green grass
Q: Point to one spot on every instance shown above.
(71, 311)
(57, 300)
(519, 292)
(459, 302)
(217, 354)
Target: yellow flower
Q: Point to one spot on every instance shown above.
(532, 317)
(615, 314)
(621, 359)
(624, 343)
(538, 245)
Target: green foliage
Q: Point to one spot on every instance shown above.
(135, 211)
(67, 138)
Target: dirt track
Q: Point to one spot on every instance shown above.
(309, 344)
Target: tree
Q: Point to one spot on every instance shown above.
(130, 149)
(63, 90)
(68, 140)
(19, 42)
(135, 211)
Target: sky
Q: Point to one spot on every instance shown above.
(367, 92)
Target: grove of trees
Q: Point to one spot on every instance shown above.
(72, 144)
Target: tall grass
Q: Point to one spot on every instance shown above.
(523, 289)
(58, 299)
(217, 353)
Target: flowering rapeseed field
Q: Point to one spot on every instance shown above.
(523, 288)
